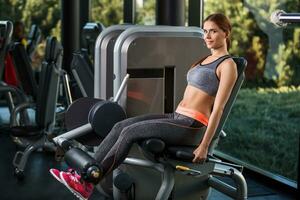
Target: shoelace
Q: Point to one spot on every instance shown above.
(71, 170)
(74, 178)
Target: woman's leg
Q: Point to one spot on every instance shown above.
(115, 132)
(173, 130)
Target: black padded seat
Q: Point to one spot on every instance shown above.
(75, 118)
(47, 90)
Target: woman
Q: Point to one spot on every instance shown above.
(210, 82)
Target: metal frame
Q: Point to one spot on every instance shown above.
(125, 39)
(102, 58)
(222, 169)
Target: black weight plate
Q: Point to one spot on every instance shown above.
(78, 112)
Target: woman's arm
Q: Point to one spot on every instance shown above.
(228, 76)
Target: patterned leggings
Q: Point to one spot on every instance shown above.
(173, 129)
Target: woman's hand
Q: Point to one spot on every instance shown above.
(200, 154)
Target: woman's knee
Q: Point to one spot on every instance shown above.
(124, 132)
(132, 133)
(118, 126)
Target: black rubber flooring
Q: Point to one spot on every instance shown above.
(37, 184)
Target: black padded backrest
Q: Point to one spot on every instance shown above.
(33, 39)
(24, 70)
(6, 29)
(48, 85)
(82, 70)
(53, 51)
(241, 66)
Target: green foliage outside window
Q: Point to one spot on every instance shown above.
(108, 12)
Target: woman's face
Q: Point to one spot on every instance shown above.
(214, 37)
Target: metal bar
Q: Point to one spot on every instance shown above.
(237, 192)
(84, 13)
(67, 89)
(144, 163)
(290, 18)
(167, 184)
(129, 8)
(222, 187)
(78, 81)
(70, 30)
(170, 12)
(121, 89)
(82, 130)
(195, 14)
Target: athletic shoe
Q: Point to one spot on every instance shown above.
(80, 189)
(56, 173)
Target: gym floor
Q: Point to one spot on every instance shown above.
(39, 184)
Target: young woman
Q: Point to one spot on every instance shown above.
(210, 82)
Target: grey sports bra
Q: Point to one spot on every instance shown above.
(204, 77)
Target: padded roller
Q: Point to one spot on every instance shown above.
(104, 115)
(154, 145)
(184, 153)
(82, 162)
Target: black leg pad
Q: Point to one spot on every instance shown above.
(83, 163)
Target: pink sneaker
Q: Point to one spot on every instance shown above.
(56, 173)
(81, 189)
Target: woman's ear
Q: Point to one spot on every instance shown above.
(227, 34)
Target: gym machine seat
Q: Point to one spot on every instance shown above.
(167, 160)
(35, 136)
(173, 158)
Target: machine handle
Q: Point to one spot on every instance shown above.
(189, 170)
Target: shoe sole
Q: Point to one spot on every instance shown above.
(54, 175)
(77, 194)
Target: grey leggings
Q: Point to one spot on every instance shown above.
(174, 129)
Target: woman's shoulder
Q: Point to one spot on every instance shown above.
(228, 62)
(228, 66)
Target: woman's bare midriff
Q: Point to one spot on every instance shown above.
(197, 100)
